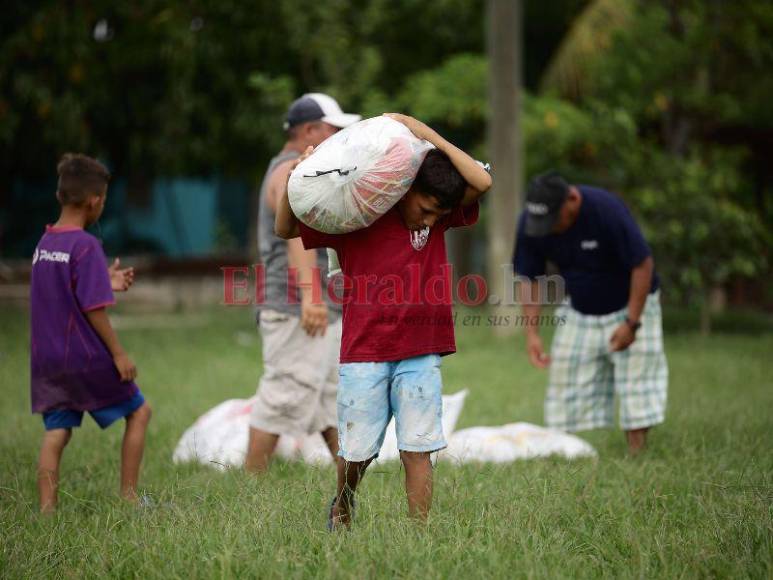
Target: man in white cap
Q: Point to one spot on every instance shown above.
(301, 339)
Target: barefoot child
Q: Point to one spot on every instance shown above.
(77, 362)
(393, 338)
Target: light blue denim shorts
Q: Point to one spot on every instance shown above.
(370, 393)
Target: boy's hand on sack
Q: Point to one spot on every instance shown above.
(125, 367)
(313, 317)
(418, 128)
(120, 279)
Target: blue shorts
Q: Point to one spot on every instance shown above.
(369, 394)
(106, 416)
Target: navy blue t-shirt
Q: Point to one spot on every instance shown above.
(595, 256)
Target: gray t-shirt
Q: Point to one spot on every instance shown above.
(273, 255)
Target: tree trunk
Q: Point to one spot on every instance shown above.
(705, 314)
(717, 299)
(504, 147)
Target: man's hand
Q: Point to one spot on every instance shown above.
(537, 355)
(421, 130)
(313, 318)
(622, 338)
(120, 279)
(296, 162)
(125, 367)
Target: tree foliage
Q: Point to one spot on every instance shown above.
(666, 101)
(160, 88)
(686, 73)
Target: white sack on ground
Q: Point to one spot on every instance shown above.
(356, 176)
(511, 442)
(219, 437)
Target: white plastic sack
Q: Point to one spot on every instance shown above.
(511, 442)
(356, 176)
(219, 437)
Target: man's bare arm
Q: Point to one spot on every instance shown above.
(528, 294)
(641, 282)
(285, 222)
(277, 183)
(313, 309)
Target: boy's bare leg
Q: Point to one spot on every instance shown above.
(350, 473)
(132, 449)
(637, 440)
(418, 483)
(260, 448)
(330, 435)
(54, 442)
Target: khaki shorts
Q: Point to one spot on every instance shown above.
(297, 392)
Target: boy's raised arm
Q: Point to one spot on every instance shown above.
(477, 178)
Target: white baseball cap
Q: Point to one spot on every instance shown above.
(318, 107)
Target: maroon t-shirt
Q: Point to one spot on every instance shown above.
(71, 368)
(396, 287)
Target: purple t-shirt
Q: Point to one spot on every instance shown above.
(71, 368)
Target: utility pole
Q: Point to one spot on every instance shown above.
(504, 146)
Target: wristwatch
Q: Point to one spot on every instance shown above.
(634, 326)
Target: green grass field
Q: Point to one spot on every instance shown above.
(698, 504)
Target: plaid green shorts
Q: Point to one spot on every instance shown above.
(585, 375)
